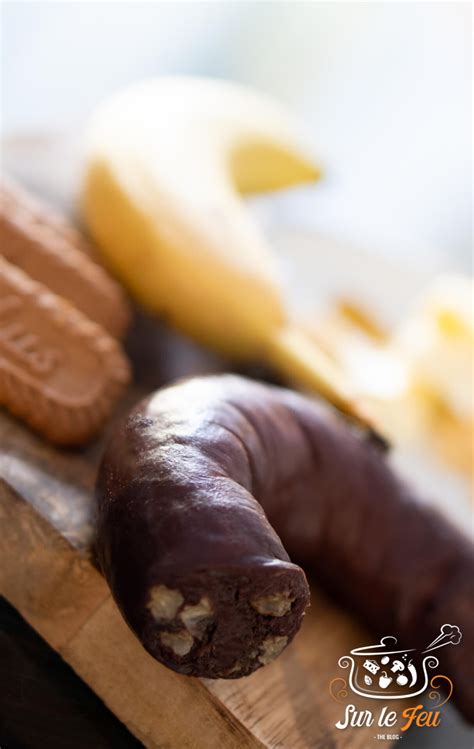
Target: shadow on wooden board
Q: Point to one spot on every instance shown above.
(43, 704)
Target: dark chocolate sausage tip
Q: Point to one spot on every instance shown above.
(224, 623)
(192, 491)
(197, 570)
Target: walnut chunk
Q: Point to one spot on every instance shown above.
(271, 648)
(164, 602)
(179, 642)
(276, 604)
(196, 618)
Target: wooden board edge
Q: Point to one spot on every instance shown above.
(63, 597)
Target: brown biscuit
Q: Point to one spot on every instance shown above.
(59, 371)
(13, 193)
(47, 248)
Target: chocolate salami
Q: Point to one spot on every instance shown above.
(209, 484)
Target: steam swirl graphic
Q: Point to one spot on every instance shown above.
(338, 694)
(434, 694)
(345, 661)
(431, 662)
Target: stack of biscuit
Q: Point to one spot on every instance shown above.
(62, 367)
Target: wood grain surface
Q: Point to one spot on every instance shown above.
(47, 573)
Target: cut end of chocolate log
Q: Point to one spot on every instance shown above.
(224, 623)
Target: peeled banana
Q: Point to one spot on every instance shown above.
(167, 162)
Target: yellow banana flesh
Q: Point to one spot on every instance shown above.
(166, 161)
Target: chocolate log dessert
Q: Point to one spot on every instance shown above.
(210, 486)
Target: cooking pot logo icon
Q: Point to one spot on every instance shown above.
(387, 672)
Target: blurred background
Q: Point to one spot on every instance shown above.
(384, 91)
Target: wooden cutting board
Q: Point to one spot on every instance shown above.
(47, 573)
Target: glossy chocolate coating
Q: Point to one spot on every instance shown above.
(180, 497)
